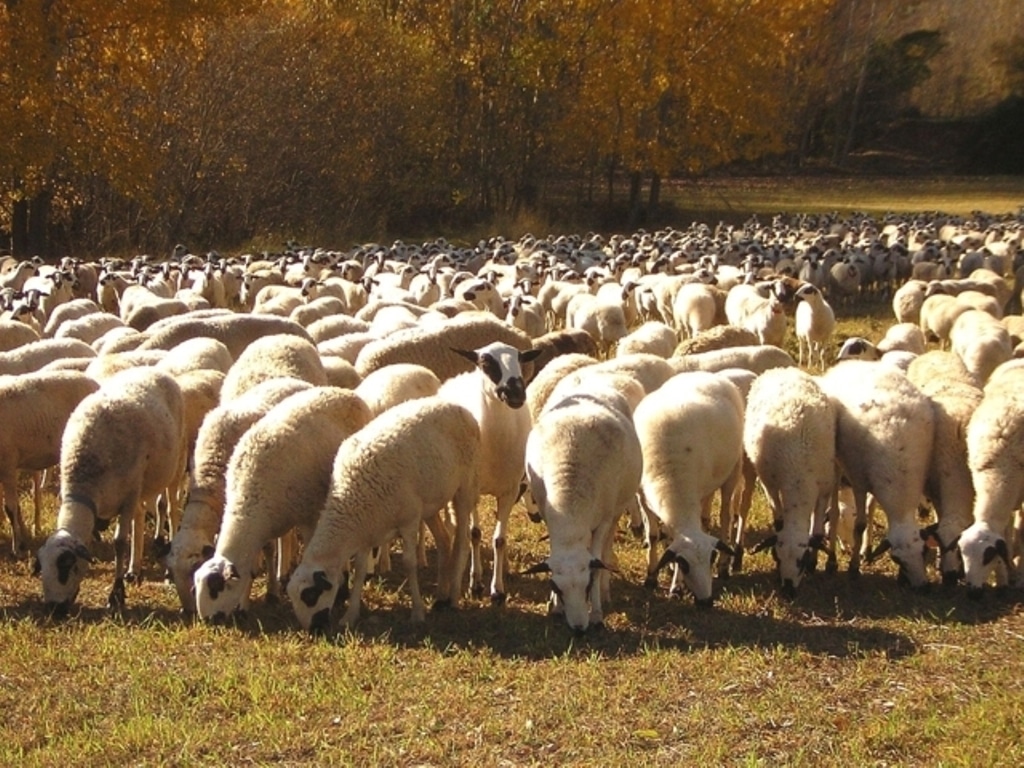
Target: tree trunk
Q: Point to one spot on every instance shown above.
(19, 228)
(635, 209)
(654, 195)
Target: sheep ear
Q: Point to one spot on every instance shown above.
(529, 355)
(208, 552)
(83, 553)
(469, 355)
(231, 572)
(321, 581)
(37, 567)
(767, 543)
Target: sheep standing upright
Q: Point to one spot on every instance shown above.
(691, 434)
(814, 323)
(583, 464)
(277, 480)
(789, 433)
(399, 471)
(495, 394)
(995, 455)
(123, 445)
(884, 434)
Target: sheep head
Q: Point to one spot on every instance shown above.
(61, 563)
(220, 590)
(981, 549)
(312, 593)
(500, 365)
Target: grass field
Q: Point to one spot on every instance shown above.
(849, 673)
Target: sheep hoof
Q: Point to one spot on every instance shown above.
(831, 565)
(497, 598)
(737, 561)
(116, 599)
(651, 582)
(950, 579)
(854, 571)
(131, 578)
(441, 606)
(477, 591)
(272, 599)
(676, 593)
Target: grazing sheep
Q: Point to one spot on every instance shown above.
(34, 409)
(789, 434)
(340, 372)
(908, 300)
(396, 473)
(995, 455)
(884, 435)
(494, 393)
(583, 465)
(277, 480)
(758, 358)
(955, 397)
(394, 384)
(563, 342)
(981, 341)
(14, 335)
(431, 347)
(123, 445)
(718, 337)
(335, 325)
(905, 337)
(218, 435)
(691, 434)
(540, 388)
(652, 337)
(938, 313)
(695, 309)
(269, 357)
(236, 331)
(69, 310)
(33, 356)
(814, 324)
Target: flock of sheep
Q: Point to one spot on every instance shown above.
(295, 413)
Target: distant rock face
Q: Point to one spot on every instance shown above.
(966, 76)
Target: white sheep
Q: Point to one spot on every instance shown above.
(397, 383)
(955, 397)
(814, 323)
(122, 446)
(389, 478)
(652, 337)
(269, 357)
(981, 342)
(277, 480)
(789, 433)
(938, 313)
(747, 307)
(494, 392)
(884, 434)
(431, 347)
(200, 353)
(69, 310)
(995, 455)
(540, 388)
(33, 356)
(908, 300)
(527, 314)
(691, 433)
(603, 319)
(583, 465)
(14, 334)
(236, 331)
(694, 308)
(201, 517)
(34, 409)
(758, 359)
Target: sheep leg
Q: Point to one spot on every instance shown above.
(742, 513)
(135, 526)
(409, 535)
(600, 586)
(19, 534)
(38, 479)
(355, 595)
(125, 524)
(503, 510)
(725, 514)
(860, 497)
(652, 527)
(443, 546)
(463, 504)
(476, 566)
